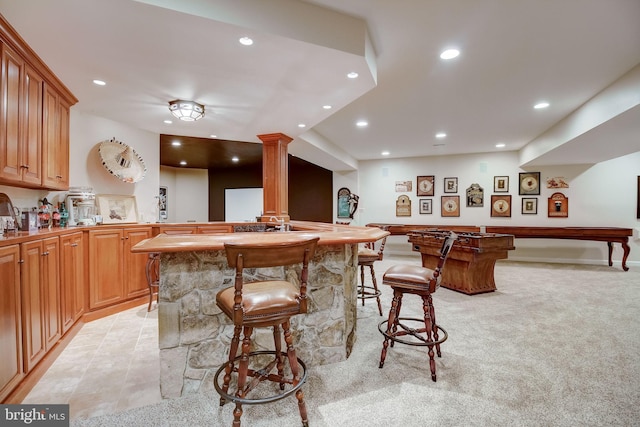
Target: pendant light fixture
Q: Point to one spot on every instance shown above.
(188, 111)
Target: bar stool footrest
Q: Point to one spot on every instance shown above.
(258, 401)
(422, 342)
(369, 292)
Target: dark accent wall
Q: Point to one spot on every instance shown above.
(310, 189)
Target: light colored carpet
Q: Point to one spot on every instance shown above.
(556, 345)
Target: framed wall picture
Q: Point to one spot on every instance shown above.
(558, 206)
(347, 203)
(529, 205)
(426, 206)
(403, 186)
(500, 184)
(117, 209)
(500, 205)
(162, 204)
(403, 206)
(449, 206)
(451, 185)
(425, 185)
(529, 183)
(638, 199)
(475, 196)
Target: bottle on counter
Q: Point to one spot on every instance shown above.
(64, 215)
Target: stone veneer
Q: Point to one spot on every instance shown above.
(194, 334)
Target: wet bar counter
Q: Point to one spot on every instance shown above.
(194, 335)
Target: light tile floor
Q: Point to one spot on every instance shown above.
(112, 364)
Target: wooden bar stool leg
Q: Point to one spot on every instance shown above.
(278, 348)
(392, 321)
(362, 290)
(295, 371)
(432, 314)
(243, 368)
(232, 355)
(429, 325)
(375, 288)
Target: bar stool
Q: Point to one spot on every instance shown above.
(153, 276)
(367, 256)
(420, 281)
(259, 304)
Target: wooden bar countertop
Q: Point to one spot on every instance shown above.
(329, 234)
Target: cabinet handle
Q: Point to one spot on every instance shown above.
(25, 166)
(58, 176)
(73, 245)
(20, 261)
(45, 253)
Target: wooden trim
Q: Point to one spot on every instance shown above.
(113, 309)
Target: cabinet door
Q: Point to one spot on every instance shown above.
(72, 279)
(177, 229)
(214, 229)
(11, 70)
(135, 264)
(51, 276)
(106, 268)
(55, 141)
(11, 372)
(31, 139)
(33, 303)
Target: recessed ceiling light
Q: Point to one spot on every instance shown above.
(500, 145)
(176, 143)
(302, 125)
(449, 54)
(441, 135)
(385, 153)
(213, 136)
(183, 163)
(327, 107)
(362, 123)
(99, 82)
(168, 122)
(235, 159)
(352, 75)
(247, 41)
(541, 105)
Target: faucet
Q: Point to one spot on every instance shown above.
(280, 221)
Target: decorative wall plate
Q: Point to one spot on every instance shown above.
(122, 161)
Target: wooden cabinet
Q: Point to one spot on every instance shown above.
(11, 372)
(34, 118)
(72, 279)
(115, 274)
(20, 121)
(214, 229)
(55, 140)
(178, 229)
(135, 264)
(40, 294)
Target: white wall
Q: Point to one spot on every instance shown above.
(85, 166)
(187, 194)
(603, 195)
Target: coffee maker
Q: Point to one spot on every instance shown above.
(81, 205)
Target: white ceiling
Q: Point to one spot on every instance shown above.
(514, 54)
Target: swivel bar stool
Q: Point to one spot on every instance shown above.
(153, 276)
(423, 282)
(259, 304)
(367, 256)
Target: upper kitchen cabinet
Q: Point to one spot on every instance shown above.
(34, 118)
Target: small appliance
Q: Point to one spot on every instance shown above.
(81, 206)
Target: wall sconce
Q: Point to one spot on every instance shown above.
(188, 111)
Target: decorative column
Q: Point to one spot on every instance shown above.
(275, 176)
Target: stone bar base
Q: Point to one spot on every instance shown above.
(194, 335)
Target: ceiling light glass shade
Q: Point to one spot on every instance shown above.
(188, 111)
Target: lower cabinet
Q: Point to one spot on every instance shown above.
(11, 371)
(115, 274)
(72, 278)
(40, 294)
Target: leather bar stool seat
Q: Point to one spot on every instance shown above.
(421, 281)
